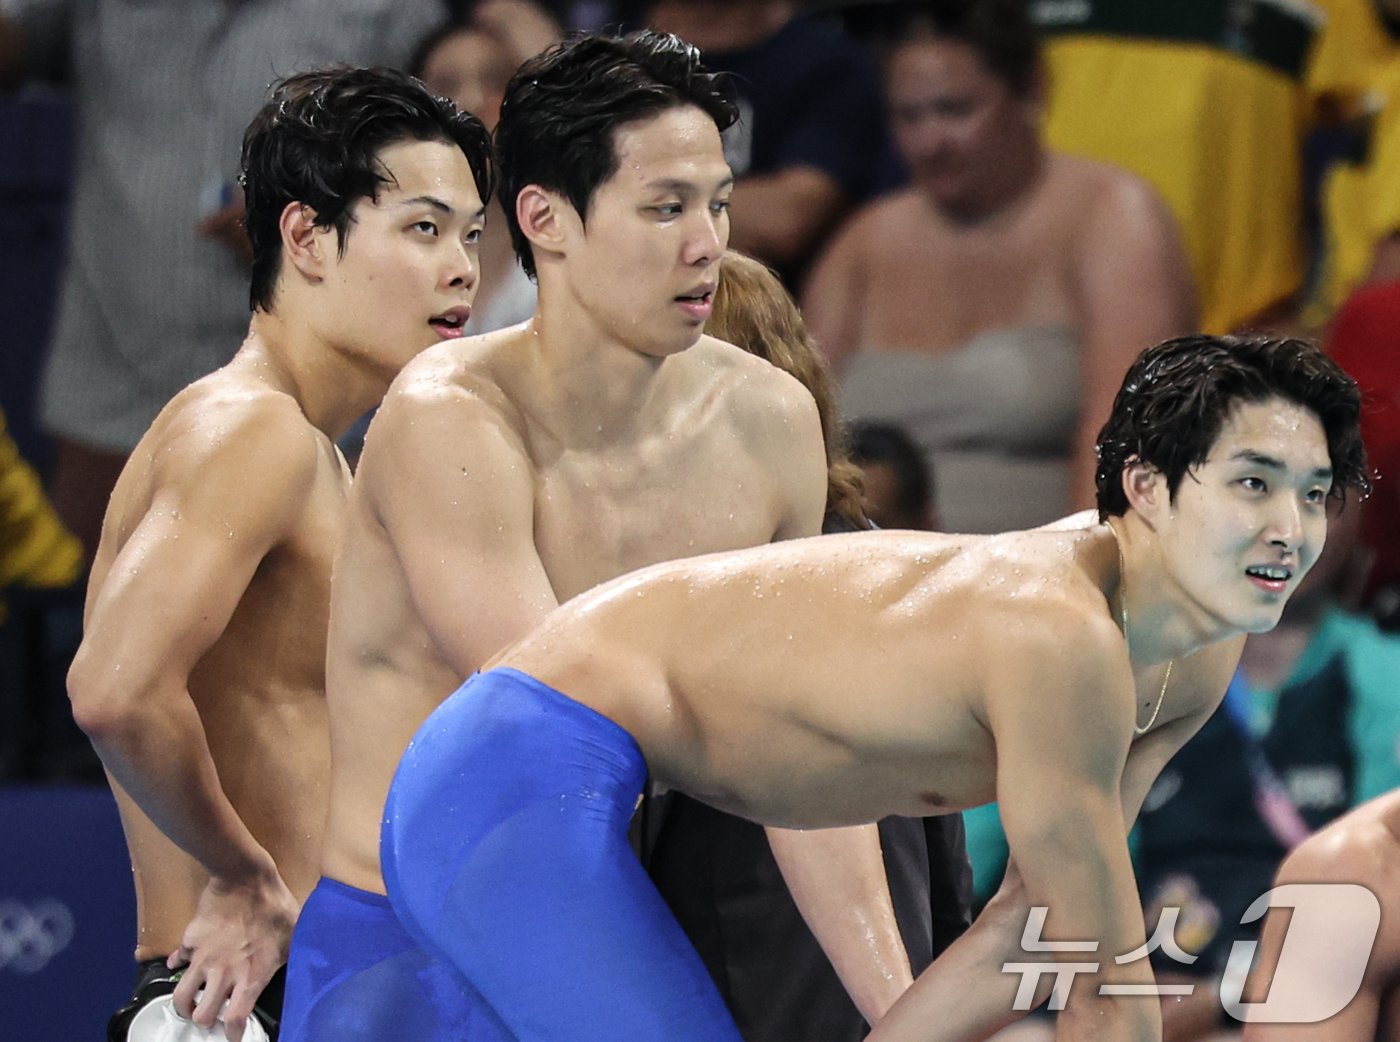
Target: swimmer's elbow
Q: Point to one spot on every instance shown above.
(106, 706)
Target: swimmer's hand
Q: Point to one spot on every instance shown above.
(233, 945)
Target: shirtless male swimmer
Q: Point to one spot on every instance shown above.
(836, 680)
(201, 675)
(509, 472)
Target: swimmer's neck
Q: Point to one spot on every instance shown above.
(1001, 195)
(589, 388)
(332, 388)
(1164, 621)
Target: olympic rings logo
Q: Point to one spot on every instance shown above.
(31, 935)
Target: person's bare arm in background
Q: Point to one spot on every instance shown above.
(834, 295)
(779, 217)
(1136, 290)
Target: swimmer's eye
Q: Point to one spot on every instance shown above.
(668, 209)
(426, 227)
(1254, 484)
(472, 237)
(719, 206)
(1317, 496)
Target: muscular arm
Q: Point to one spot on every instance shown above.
(837, 878)
(1135, 289)
(965, 993)
(163, 602)
(833, 300)
(450, 483)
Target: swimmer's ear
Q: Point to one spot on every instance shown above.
(303, 242)
(1146, 490)
(544, 217)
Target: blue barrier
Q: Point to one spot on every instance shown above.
(67, 913)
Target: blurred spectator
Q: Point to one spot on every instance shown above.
(35, 551)
(1309, 729)
(895, 476)
(1361, 190)
(155, 290)
(993, 306)
(1206, 101)
(1365, 341)
(35, 548)
(811, 139)
(523, 27)
(471, 62)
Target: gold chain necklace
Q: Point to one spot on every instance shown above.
(1123, 614)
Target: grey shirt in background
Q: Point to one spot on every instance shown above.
(163, 90)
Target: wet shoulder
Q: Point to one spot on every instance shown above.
(450, 402)
(1035, 583)
(473, 372)
(1084, 190)
(229, 421)
(1360, 847)
(216, 440)
(752, 389)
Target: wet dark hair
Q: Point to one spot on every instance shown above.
(1177, 396)
(891, 444)
(317, 141)
(563, 105)
(999, 31)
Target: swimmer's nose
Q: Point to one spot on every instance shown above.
(707, 239)
(462, 272)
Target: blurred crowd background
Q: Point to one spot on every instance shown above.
(985, 207)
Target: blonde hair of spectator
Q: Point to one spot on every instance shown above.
(753, 310)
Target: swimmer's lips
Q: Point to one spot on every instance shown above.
(699, 303)
(1271, 578)
(449, 324)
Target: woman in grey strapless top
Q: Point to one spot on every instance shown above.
(991, 307)
(996, 417)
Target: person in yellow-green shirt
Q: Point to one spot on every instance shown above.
(1209, 103)
(35, 548)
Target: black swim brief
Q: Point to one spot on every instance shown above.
(154, 979)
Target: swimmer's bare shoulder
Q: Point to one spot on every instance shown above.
(447, 476)
(1036, 620)
(757, 393)
(208, 443)
(776, 420)
(1362, 847)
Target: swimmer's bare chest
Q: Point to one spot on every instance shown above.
(599, 516)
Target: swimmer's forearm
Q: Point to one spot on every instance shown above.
(965, 995)
(1075, 865)
(837, 878)
(156, 750)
